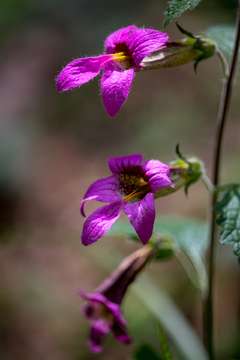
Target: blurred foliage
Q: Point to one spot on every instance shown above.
(190, 239)
(163, 343)
(189, 234)
(224, 36)
(145, 352)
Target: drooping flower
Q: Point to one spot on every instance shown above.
(132, 188)
(104, 303)
(125, 49)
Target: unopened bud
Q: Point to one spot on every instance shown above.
(183, 173)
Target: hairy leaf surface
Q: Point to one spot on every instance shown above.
(177, 7)
(229, 219)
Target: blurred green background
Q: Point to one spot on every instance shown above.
(53, 146)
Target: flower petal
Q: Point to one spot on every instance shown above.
(144, 41)
(91, 308)
(156, 174)
(120, 334)
(100, 328)
(104, 190)
(115, 87)
(99, 222)
(121, 164)
(118, 37)
(80, 71)
(113, 308)
(142, 216)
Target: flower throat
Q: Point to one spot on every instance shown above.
(123, 54)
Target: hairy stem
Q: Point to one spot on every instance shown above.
(208, 327)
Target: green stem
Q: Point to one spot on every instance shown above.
(223, 62)
(208, 328)
(207, 182)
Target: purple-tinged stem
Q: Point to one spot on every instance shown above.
(208, 326)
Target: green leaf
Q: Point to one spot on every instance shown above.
(189, 236)
(188, 233)
(177, 7)
(172, 320)
(146, 353)
(224, 36)
(163, 343)
(229, 219)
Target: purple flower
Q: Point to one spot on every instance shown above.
(125, 49)
(105, 316)
(132, 188)
(104, 304)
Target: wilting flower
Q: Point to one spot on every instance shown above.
(125, 49)
(132, 188)
(104, 304)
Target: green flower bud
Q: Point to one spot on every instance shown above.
(183, 173)
(200, 42)
(164, 245)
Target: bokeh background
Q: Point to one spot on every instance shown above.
(53, 146)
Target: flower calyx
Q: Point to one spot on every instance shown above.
(175, 53)
(200, 42)
(185, 171)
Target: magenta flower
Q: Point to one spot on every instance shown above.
(132, 188)
(105, 316)
(125, 49)
(104, 304)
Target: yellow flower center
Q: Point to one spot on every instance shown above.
(123, 55)
(134, 187)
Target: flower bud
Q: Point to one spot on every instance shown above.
(183, 172)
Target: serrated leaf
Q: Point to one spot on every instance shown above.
(177, 7)
(224, 36)
(229, 220)
(190, 237)
(146, 352)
